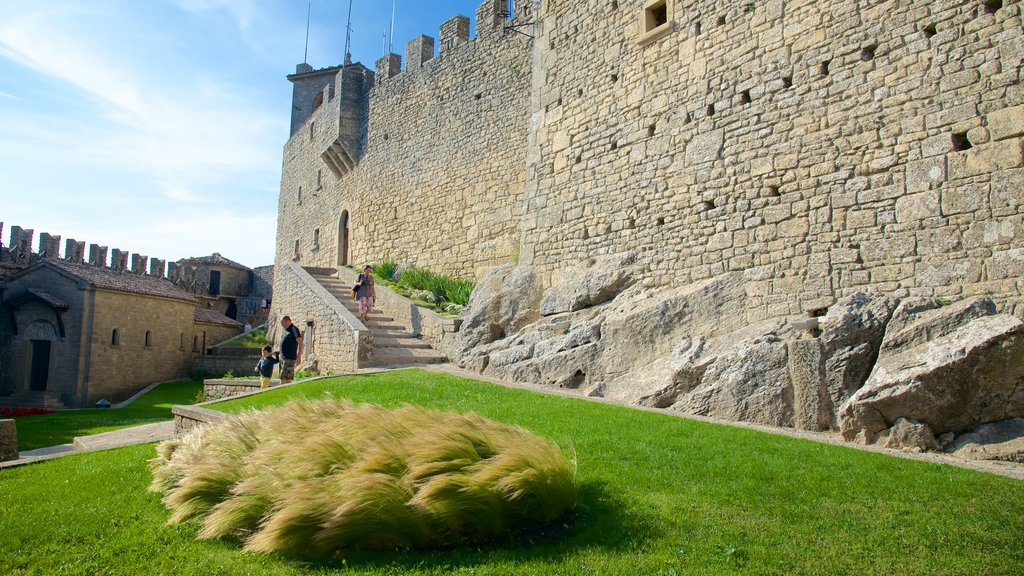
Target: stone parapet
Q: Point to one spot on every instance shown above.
(216, 389)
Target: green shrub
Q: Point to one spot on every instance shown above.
(441, 288)
(385, 270)
(312, 477)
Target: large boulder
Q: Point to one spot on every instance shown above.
(505, 300)
(642, 325)
(919, 320)
(851, 335)
(955, 382)
(593, 282)
(996, 441)
(748, 382)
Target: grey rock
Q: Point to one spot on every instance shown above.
(594, 282)
(504, 301)
(851, 335)
(749, 382)
(810, 396)
(995, 441)
(969, 377)
(911, 436)
(920, 321)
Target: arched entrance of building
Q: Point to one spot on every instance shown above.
(343, 239)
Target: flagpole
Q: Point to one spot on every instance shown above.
(305, 53)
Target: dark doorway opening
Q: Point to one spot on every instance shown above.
(343, 239)
(40, 365)
(232, 310)
(214, 283)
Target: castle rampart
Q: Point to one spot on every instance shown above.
(437, 177)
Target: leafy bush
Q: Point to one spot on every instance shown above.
(385, 270)
(442, 288)
(312, 477)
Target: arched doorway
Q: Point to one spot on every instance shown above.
(343, 239)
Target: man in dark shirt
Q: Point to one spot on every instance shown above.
(291, 350)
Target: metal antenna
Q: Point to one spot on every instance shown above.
(391, 37)
(348, 36)
(305, 53)
(384, 42)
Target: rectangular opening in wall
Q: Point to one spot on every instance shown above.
(960, 142)
(655, 21)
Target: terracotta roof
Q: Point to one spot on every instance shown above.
(214, 259)
(116, 281)
(207, 316)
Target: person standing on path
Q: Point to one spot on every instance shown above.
(290, 349)
(366, 293)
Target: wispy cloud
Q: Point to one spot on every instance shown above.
(6, 95)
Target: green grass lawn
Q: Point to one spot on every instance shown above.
(44, 430)
(659, 495)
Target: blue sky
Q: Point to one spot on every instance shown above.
(156, 126)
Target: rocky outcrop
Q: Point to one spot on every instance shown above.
(971, 376)
(851, 336)
(594, 282)
(882, 371)
(505, 300)
(996, 441)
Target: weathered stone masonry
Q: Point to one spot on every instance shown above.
(427, 167)
(820, 147)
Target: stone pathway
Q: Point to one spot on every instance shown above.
(107, 440)
(393, 343)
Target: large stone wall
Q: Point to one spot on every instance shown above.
(439, 175)
(820, 147)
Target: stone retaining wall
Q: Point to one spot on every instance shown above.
(216, 388)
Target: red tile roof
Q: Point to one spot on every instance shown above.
(118, 281)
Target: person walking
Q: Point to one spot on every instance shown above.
(290, 350)
(366, 293)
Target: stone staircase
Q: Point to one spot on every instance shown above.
(393, 343)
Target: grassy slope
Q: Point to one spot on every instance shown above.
(660, 495)
(61, 427)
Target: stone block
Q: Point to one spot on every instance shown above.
(1005, 194)
(959, 79)
(806, 365)
(705, 147)
(1006, 123)
(8, 440)
(916, 207)
(925, 174)
(1006, 264)
(887, 249)
(992, 157)
(948, 273)
(965, 198)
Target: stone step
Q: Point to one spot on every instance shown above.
(392, 356)
(407, 341)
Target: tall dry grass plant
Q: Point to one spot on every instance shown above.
(312, 477)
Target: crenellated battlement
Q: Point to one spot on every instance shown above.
(21, 251)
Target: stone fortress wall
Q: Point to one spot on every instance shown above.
(819, 147)
(426, 167)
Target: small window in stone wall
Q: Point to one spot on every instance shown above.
(318, 101)
(195, 343)
(316, 239)
(319, 176)
(115, 337)
(149, 339)
(296, 255)
(181, 341)
(312, 129)
(655, 21)
(300, 195)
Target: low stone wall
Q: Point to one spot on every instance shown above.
(218, 388)
(188, 418)
(423, 322)
(8, 440)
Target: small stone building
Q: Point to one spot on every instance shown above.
(72, 333)
(226, 286)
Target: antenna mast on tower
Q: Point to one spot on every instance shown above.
(391, 37)
(348, 36)
(305, 52)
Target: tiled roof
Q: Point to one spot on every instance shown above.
(207, 316)
(214, 259)
(107, 279)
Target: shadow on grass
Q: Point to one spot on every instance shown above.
(600, 520)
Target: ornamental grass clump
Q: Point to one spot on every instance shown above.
(314, 477)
